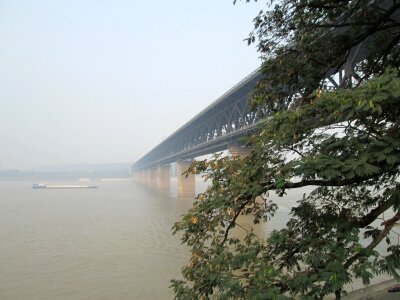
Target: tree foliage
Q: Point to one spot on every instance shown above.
(344, 141)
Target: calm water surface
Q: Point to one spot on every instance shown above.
(113, 242)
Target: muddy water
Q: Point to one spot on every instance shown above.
(113, 242)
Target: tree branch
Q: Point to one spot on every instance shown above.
(233, 221)
(388, 227)
(376, 212)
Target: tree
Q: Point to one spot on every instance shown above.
(344, 141)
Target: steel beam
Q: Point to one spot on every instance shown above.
(229, 118)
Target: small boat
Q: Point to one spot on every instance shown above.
(84, 179)
(39, 186)
(45, 186)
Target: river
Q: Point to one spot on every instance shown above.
(113, 242)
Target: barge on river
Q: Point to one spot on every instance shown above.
(45, 186)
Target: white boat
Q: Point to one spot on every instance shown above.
(45, 186)
(39, 186)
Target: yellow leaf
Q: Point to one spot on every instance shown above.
(371, 104)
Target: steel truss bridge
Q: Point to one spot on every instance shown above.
(229, 118)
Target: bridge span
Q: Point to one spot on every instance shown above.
(216, 128)
(213, 129)
(221, 124)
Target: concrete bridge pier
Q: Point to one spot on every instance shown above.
(241, 151)
(137, 176)
(143, 176)
(151, 177)
(186, 185)
(163, 177)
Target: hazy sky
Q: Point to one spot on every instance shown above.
(105, 81)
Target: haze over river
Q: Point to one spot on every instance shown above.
(113, 242)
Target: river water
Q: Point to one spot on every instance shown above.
(113, 242)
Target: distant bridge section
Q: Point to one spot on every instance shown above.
(220, 125)
(213, 129)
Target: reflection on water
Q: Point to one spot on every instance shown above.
(113, 242)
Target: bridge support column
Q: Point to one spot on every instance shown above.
(136, 176)
(163, 177)
(240, 151)
(186, 185)
(151, 177)
(143, 176)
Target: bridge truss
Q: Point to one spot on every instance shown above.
(229, 117)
